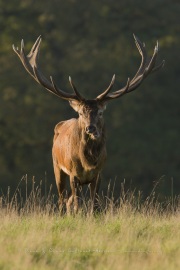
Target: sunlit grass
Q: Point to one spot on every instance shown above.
(128, 234)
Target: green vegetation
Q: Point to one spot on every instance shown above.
(130, 234)
(92, 40)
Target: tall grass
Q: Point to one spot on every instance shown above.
(127, 233)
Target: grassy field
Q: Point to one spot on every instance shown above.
(127, 235)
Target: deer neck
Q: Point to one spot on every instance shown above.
(92, 151)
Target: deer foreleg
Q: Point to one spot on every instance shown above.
(94, 188)
(60, 182)
(73, 197)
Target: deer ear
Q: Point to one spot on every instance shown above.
(75, 105)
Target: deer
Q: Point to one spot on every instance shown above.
(79, 144)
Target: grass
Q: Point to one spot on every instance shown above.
(128, 234)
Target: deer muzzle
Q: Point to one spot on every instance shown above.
(92, 131)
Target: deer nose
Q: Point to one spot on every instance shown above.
(90, 129)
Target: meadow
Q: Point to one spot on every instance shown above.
(129, 233)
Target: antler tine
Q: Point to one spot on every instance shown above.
(159, 66)
(142, 50)
(31, 65)
(152, 61)
(30, 61)
(146, 68)
(75, 89)
(23, 58)
(118, 93)
(123, 90)
(35, 46)
(103, 95)
(61, 93)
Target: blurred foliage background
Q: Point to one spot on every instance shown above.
(92, 40)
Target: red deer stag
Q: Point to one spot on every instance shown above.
(79, 148)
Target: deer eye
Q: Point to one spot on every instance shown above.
(100, 113)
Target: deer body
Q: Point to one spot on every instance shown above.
(79, 149)
(75, 153)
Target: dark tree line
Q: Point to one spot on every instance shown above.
(92, 40)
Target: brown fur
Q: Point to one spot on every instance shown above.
(76, 154)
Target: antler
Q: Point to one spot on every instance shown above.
(31, 65)
(147, 66)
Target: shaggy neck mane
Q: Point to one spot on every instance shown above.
(91, 150)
